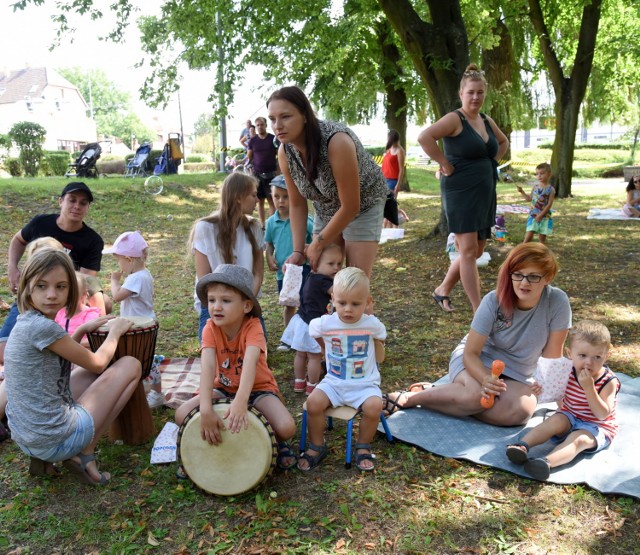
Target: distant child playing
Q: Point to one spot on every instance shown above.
(136, 293)
(279, 241)
(541, 198)
(586, 420)
(234, 362)
(354, 345)
(315, 298)
(631, 207)
(82, 313)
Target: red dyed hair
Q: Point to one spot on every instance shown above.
(526, 254)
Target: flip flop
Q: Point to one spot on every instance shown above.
(419, 386)
(80, 469)
(439, 300)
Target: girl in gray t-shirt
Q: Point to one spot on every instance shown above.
(45, 420)
(523, 319)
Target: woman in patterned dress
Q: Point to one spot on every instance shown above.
(325, 162)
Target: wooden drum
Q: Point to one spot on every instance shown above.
(241, 462)
(134, 425)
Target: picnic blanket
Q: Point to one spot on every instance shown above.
(608, 214)
(512, 209)
(180, 380)
(614, 470)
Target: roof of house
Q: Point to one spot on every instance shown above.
(30, 81)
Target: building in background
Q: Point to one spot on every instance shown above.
(43, 96)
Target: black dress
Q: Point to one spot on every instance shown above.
(469, 195)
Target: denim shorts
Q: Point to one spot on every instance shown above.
(391, 183)
(602, 441)
(9, 323)
(80, 437)
(366, 226)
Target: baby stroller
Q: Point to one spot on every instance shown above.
(85, 164)
(135, 167)
(171, 156)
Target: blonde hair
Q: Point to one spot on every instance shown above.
(472, 73)
(236, 187)
(591, 332)
(41, 243)
(39, 264)
(349, 278)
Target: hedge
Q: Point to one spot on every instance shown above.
(55, 162)
(13, 166)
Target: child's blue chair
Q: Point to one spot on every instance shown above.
(347, 414)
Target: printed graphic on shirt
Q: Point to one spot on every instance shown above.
(348, 356)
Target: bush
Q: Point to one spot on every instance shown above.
(113, 166)
(13, 166)
(197, 158)
(29, 137)
(200, 167)
(55, 162)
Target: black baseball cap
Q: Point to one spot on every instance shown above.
(77, 186)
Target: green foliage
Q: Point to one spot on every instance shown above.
(55, 162)
(197, 158)
(29, 138)
(112, 107)
(13, 166)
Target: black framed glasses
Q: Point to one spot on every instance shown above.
(531, 278)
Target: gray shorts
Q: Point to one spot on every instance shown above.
(366, 226)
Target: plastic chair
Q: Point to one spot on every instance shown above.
(347, 414)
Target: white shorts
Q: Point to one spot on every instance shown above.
(341, 396)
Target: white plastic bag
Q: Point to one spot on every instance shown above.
(165, 445)
(290, 294)
(553, 374)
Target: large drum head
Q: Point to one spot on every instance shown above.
(241, 462)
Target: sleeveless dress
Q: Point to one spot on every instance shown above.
(469, 195)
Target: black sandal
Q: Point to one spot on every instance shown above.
(285, 452)
(80, 469)
(365, 457)
(540, 469)
(440, 299)
(517, 455)
(391, 406)
(313, 460)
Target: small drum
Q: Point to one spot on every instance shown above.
(134, 424)
(240, 463)
(139, 342)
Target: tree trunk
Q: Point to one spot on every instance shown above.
(439, 51)
(498, 66)
(395, 93)
(569, 91)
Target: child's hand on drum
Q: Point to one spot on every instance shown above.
(93, 325)
(237, 416)
(211, 426)
(119, 325)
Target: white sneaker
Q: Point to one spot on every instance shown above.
(283, 348)
(155, 399)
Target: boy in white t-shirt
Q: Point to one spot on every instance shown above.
(354, 346)
(135, 295)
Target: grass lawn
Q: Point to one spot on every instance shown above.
(415, 502)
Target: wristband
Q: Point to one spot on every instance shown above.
(299, 252)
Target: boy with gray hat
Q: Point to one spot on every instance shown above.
(234, 362)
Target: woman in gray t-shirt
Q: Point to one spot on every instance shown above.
(523, 319)
(325, 162)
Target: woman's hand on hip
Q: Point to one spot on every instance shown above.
(447, 169)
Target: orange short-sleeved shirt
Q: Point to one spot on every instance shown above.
(230, 356)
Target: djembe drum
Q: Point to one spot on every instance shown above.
(242, 461)
(134, 424)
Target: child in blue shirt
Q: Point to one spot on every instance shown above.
(279, 241)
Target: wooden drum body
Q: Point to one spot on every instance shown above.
(241, 462)
(134, 425)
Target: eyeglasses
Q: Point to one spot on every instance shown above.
(636, 180)
(474, 73)
(531, 278)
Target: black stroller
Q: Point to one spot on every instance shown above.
(85, 165)
(136, 166)
(171, 156)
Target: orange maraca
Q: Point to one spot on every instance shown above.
(496, 369)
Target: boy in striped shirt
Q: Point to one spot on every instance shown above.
(586, 420)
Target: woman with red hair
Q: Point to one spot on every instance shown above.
(525, 318)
